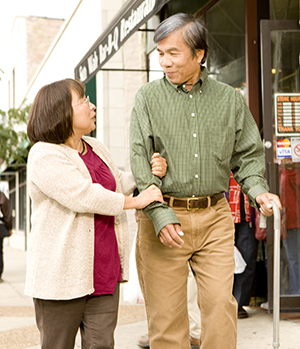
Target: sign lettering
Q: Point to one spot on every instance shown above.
(287, 117)
(115, 35)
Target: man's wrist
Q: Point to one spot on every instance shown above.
(161, 215)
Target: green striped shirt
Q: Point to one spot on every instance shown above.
(203, 134)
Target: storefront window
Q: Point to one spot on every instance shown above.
(225, 23)
(284, 9)
(286, 88)
(285, 61)
(91, 92)
(190, 6)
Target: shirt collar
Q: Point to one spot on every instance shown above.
(202, 80)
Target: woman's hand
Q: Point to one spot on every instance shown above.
(158, 165)
(149, 195)
(145, 198)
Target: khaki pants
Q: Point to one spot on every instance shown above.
(163, 271)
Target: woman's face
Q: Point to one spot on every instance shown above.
(84, 115)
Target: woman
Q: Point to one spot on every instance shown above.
(78, 250)
(6, 219)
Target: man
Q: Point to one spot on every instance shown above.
(204, 129)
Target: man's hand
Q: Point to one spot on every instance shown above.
(266, 207)
(158, 165)
(170, 235)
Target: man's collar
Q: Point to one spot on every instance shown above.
(201, 80)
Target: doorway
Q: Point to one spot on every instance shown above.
(280, 56)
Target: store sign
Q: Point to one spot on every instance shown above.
(127, 21)
(287, 114)
(295, 149)
(283, 148)
(288, 148)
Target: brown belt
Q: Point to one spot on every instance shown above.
(194, 203)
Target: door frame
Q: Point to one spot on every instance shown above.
(288, 303)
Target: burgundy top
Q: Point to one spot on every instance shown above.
(107, 266)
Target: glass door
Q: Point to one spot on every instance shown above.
(280, 56)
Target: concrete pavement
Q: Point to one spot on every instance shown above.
(18, 329)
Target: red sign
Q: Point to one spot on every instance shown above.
(283, 143)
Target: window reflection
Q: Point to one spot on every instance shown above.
(286, 81)
(226, 38)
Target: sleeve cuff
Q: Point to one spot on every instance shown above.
(253, 192)
(161, 216)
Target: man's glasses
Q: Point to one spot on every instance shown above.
(87, 101)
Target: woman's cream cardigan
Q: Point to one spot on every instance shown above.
(64, 199)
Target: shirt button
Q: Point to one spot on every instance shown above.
(193, 114)
(200, 91)
(194, 135)
(191, 96)
(196, 176)
(196, 155)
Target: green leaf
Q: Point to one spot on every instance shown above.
(14, 142)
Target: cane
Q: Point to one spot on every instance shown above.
(276, 290)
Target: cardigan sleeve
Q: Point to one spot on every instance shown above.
(127, 182)
(64, 178)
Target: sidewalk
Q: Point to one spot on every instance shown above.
(18, 329)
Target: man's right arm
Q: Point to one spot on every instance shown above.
(142, 147)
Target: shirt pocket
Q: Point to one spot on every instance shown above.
(221, 144)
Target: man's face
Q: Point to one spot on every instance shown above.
(176, 60)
